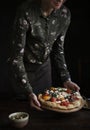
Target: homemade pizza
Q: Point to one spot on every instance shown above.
(60, 99)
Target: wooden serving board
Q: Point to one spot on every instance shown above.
(64, 111)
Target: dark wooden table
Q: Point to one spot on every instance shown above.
(43, 120)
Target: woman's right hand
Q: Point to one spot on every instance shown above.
(34, 103)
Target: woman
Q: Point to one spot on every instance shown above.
(39, 32)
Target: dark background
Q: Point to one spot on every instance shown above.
(76, 47)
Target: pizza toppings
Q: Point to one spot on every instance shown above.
(61, 96)
(46, 97)
(53, 99)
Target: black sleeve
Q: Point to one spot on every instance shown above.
(58, 54)
(20, 29)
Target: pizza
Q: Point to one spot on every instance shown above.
(60, 98)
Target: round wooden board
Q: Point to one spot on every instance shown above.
(64, 111)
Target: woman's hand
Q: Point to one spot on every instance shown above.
(34, 103)
(71, 85)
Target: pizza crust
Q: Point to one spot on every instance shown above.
(57, 106)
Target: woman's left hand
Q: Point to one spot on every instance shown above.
(71, 85)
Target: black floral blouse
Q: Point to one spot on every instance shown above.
(35, 37)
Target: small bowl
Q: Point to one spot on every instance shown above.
(19, 119)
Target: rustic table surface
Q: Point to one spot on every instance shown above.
(43, 120)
